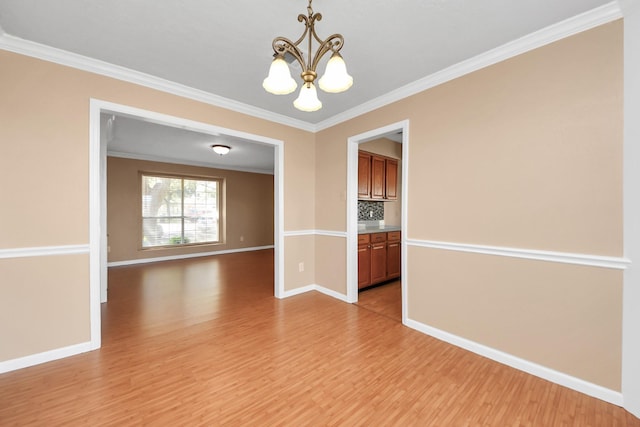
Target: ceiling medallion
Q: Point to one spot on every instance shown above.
(335, 78)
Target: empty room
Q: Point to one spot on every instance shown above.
(320, 213)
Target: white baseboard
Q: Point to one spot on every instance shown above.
(331, 293)
(47, 356)
(321, 289)
(298, 291)
(548, 374)
(186, 256)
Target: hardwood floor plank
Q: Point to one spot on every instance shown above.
(385, 299)
(204, 342)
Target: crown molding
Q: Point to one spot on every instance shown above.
(574, 25)
(47, 53)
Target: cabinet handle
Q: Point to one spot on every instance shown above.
(392, 245)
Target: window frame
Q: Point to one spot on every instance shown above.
(182, 177)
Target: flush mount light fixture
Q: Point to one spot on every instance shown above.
(220, 149)
(335, 78)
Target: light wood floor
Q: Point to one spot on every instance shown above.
(385, 300)
(204, 342)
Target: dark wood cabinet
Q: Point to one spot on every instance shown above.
(378, 258)
(364, 261)
(377, 177)
(378, 181)
(393, 255)
(391, 179)
(364, 175)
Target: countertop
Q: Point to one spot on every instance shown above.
(377, 229)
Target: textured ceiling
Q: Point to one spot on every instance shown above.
(139, 139)
(222, 49)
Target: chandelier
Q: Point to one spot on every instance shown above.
(335, 78)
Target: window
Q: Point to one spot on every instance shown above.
(179, 211)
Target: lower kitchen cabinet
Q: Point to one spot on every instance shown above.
(378, 262)
(364, 263)
(378, 258)
(393, 260)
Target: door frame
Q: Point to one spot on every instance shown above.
(98, 197)
(352, 206)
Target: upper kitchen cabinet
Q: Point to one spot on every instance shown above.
(364, 175)
(391, 179)
(377, 177)
(378, 180)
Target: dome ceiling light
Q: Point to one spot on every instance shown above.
(220, 149)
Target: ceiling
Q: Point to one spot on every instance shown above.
(223, 48)
(130, 137)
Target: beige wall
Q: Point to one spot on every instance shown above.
(383, 146)
(44, 146)
(44, 304)
(300, 249)
(526, 154)
(333, 250)
(562, 316)
(247, 207)
(389, 148)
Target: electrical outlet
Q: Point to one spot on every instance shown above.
(370, 214)
(108, 249)
(242, 238)
(301, 267)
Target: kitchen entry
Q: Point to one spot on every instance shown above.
(379, 219)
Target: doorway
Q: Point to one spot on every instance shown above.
(399, 132)
(98, 187)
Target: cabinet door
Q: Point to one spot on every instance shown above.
(364, 176)
(378, 262)
(377, 177)
(393, 260)
(391, 181)
(364, 266)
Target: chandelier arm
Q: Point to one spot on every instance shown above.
(332, 43)
(282, 45)
(307, 25)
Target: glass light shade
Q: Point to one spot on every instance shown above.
(279, 81)
(308, 99)
(220, 149)
(335, 78)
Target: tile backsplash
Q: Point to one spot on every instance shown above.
(370, 211)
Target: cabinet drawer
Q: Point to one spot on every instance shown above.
(363, 238)
(378, 237)
(393, 235)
